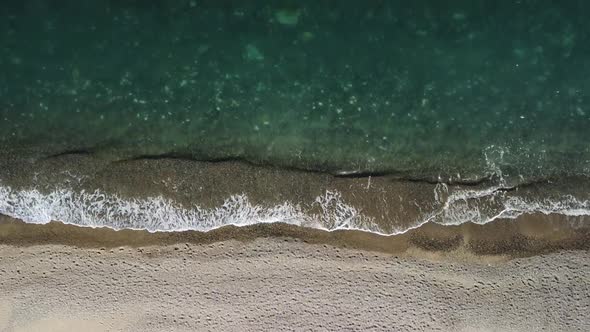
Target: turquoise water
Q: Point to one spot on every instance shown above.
(423, 89)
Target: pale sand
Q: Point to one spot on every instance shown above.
(286, 284)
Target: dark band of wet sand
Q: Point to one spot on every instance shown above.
(525, 236)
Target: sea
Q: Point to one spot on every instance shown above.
(378, 116)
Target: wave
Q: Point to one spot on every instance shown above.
(482, 206)
(97, 209)
(329, 211)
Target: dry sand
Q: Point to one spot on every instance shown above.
(282, 283)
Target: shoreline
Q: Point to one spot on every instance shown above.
(205, 195)
(524, 237)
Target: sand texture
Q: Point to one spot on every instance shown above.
(285, 284)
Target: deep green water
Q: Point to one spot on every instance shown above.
(457, 89)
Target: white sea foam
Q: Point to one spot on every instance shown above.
(97, 209)
(482, 206)
(498, 201)
(328, 212)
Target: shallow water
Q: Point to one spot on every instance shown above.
(174, 195)
(474, 92)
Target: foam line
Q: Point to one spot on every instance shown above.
(331, 212)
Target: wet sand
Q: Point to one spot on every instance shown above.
(526, 236)
(59, 277)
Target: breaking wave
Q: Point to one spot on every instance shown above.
(482, 206)
(329, 211)
(97, 209)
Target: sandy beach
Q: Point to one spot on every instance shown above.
(91, 280)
